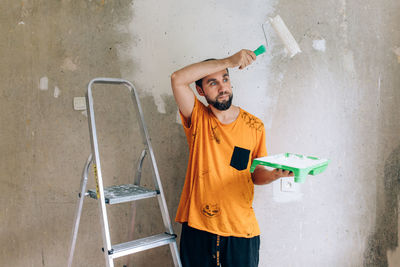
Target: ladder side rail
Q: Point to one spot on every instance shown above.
(79, 209)
(175, 254)
(98, 176)
(156, 175)
(157, 180)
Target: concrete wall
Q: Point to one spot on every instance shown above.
(338, 99)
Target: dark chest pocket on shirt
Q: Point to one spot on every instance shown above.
(240, 158)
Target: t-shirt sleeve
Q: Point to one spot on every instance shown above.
(261, 147)
(190, 124)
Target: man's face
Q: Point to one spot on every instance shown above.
(218, 90)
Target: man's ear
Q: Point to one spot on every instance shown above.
(200, 90)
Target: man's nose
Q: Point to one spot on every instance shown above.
(223, 88)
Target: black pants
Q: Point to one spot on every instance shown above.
(202, 249)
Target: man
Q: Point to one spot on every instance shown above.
(219, 227)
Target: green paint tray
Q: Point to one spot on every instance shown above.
(300, 165)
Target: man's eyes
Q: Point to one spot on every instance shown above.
(215, 83)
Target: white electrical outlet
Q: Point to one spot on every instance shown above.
(80, 103)
(287, 184)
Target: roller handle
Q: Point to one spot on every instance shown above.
(260, 50)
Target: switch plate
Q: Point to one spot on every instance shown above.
(287, 184)
(80, 103)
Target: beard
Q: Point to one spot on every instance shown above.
(220, 105)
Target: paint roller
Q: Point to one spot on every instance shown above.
(284, 34)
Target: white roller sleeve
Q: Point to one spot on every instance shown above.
(285, 35)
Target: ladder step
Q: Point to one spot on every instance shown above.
(124, 193)
(134, 246)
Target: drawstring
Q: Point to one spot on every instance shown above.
(218, 241)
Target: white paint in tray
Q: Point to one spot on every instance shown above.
(293, 160)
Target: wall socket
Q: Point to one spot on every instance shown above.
(80, 103)
(287, 184)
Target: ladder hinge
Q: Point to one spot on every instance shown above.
(174, 235)
(110, 252)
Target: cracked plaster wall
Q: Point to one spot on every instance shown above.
(338, 99)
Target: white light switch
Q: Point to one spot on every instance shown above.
(287, 184)
(79, 103)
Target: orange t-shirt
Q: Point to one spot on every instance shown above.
(218, 192)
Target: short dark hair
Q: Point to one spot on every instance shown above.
(199, 82)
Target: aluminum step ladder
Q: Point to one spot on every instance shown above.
(122, 193)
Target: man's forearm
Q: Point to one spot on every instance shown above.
(262, 175)
(194, 72)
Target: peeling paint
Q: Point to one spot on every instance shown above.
(319, 45)
(44, 83)
(160, 104)
(56, 92)
(397, 52)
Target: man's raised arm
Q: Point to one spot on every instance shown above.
(181, 79)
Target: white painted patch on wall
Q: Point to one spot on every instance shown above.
(178, 117)
(224, 32)
(397, 52)
(159, 103)
(44, 83)
(379, 99)
(319, 45)
(21, 23)
(56, 92)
